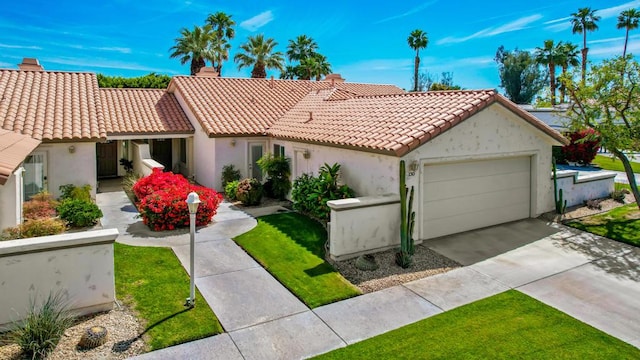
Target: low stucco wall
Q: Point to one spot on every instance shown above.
(78, 264)
(363, 225)
(143, 164)
(579, 187)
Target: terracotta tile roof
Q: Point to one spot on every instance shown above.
(143, 111)
(394, 124)
(51, 106)
(14, 148)
(234, 106)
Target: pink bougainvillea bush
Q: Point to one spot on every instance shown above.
(583, 148)
(162, 203)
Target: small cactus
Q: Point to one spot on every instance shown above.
(407, 222)
(561, 204)
(93, 337)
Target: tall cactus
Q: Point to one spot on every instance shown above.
(561, 205)
(407, 221)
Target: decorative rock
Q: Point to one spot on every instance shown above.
(93, 337)
(366, 263)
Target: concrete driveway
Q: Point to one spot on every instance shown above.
(591, 278)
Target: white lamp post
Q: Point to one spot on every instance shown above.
(193, 200)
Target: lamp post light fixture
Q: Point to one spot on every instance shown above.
(193, 200)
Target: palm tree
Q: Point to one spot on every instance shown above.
(548, 56)
(259, 53)
(301, 48)
(193, 46)
(567, 56)
(628, 19)
(222, 29)
(417, 40)
(314, 66)
(584, 20)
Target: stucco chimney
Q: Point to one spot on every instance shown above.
(30, 64)
(334, 78)
(207, 71)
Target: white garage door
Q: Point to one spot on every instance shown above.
(463, 196)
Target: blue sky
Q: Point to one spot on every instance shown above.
(365, 41)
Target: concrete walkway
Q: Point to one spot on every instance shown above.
(591, 278)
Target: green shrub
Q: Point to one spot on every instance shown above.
(310, 194)
(79, 213)
(249, 192)
(278, 171)
(231, 189)
(229, 174)
(35, 228)
(41, 331)
(70, 191)
(619, 195)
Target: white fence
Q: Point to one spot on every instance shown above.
(78, 264)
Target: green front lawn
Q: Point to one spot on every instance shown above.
(510, 325)
(613, 164)
(621, 224)
(291, 247)
(153, 282)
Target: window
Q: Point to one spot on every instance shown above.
(278, 150)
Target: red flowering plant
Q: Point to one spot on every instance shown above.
(583, 148)
(163, 206)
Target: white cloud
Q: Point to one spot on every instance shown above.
(257, 21)
(93, 63)
(555, 21)
(614, 11)
(408, 12)
(28, 47)
(558, 27)
(121, 50)
(515, 25)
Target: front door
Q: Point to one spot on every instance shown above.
(35, 174)
(161, 151)
(107, 159)
(255, 153)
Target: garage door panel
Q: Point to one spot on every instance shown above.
(471, 186)
(477, 203)
(452, 171)
(445, 226)
(462, 196)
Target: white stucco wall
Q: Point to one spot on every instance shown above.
(78, 264)
(363, 225)
(77, 168)
(490, 134)
(10, 202)
(578, 188)
(367, 173)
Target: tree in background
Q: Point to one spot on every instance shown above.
(609, 102)
(628, 20)
(425, 80)
(567, 56)
(222, 32)
(193, 46)
(584, 20)
(149, 81)
(310, 63)
(259, 53)
(445, 83)
(548, 56)
(417, 40)
(520, 75)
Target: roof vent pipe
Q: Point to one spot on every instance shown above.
(271, 82)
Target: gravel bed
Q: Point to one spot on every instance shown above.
(123, 339)
(580, 211)
(426, 262)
